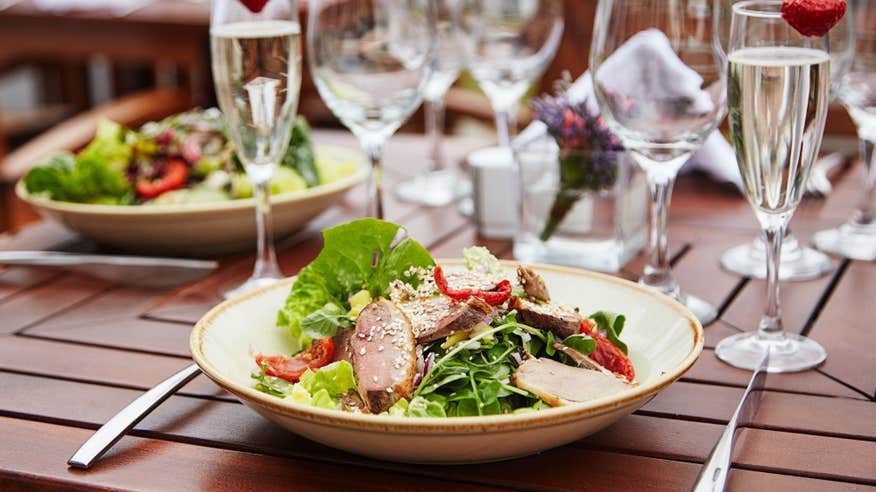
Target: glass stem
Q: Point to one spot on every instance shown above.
(771, 323)
(503, 126)
(266, 258)
(375, 183)
(864, 213)
(435, 132)
(658, 273)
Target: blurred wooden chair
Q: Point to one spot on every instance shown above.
(131, 110)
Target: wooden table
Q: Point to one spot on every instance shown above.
(75, 350)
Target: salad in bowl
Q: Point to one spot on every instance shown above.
(183, 159)
(378, 349)
(378, 328)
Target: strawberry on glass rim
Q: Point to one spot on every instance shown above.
(254, 6)
(813, 17)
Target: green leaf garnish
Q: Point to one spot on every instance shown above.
(611, 325)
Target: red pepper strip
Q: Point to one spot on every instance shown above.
(174, 176)
(606, 353)
(495, 296)
(319, 354)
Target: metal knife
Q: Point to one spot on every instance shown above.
(141, 271)
(713, 476)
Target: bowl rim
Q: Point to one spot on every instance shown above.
(345, 183)
(288, 408)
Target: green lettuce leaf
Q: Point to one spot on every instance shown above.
(344, 266)
(300, 155)
(611, 325)
(96, 175)
(336, 379)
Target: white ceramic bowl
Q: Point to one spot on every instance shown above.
(197, 229)
(664, 340)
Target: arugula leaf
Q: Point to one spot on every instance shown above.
(345, 266)
(325, 322)
(271, 385)
(471, 378)
(582, 343)
(611, 325)
(300, 155)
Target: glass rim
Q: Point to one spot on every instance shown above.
(750, 8)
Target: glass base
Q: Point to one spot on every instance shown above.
(702, 310)
(435, 189)
(797, 262)
(705, 312)
(849, 240)
(789, 352)
(250, 285)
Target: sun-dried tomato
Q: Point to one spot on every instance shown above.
(495, 296)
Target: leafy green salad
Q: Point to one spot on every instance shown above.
(379, 328)
(185, 158)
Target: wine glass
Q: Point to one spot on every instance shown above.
(454, 36)
(256, 58)
(798, 262)
(371, 61)
(515, 41)
(856, 238)
(659, 85)
(778, 94)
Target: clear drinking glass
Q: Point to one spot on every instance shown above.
(454, 35)
(515, 41)
(798, 262)
(659, 84)
(371, 61)
(256, 60)
(856, 238)
(778, 94)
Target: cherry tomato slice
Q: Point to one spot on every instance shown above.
(607, 354)
(174, 177)
(319, 354)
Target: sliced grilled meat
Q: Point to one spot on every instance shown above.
(384, 356)
(560, 320)
(343, 351)
(582, 360)
(559, 384)
(439, 317)
(532, 283)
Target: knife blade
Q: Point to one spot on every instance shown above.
(141, 271)
(713, 476)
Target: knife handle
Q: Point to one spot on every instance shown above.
(713, 475)
(115, 428)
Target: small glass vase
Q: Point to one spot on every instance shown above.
(579, 208)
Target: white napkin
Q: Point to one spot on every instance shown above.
(660, 72)
(117, 7)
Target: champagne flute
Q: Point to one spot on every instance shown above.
(515, 41)
(778, 94)
(798, 262)
(659, 85)
(257, 72)
(856, 238)
(454, 36)
(371, 61)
